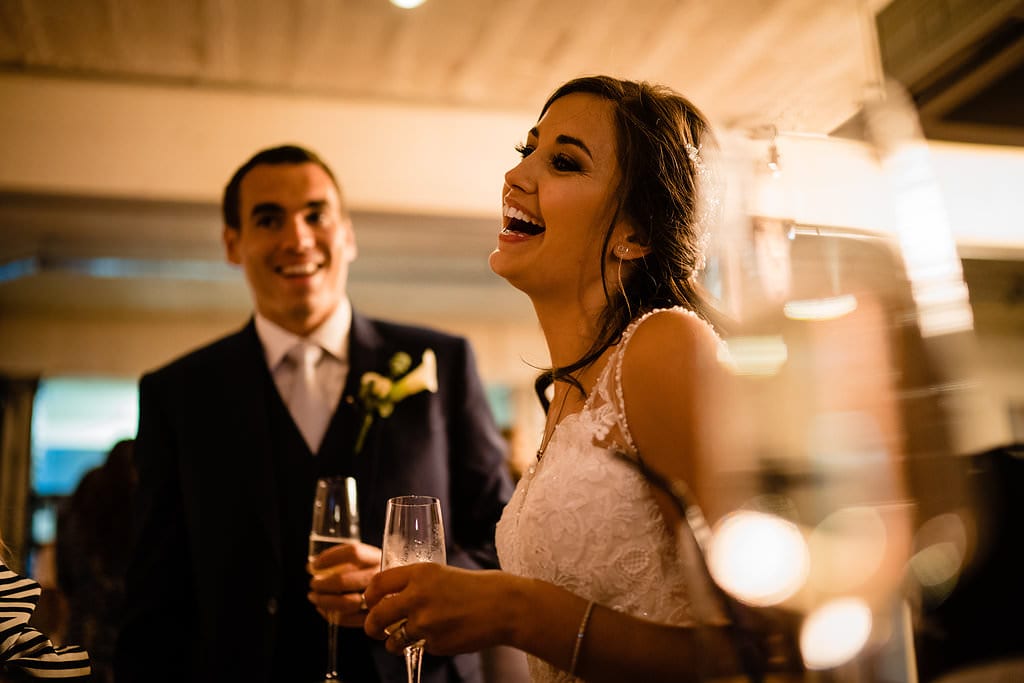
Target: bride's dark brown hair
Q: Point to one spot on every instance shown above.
(658, 133)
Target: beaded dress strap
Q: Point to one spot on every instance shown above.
(612, 374)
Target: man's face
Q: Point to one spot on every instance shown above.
(294, 244)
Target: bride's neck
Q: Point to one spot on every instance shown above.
(569, 333)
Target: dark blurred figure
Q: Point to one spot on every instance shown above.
(977, 624)
(93, 535)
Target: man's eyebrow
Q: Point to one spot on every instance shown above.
(566, 140)
(271, 207)
(266, 207)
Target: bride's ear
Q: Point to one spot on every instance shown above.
(627, 245)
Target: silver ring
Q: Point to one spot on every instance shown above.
(363, 607)
(393, 628)
(402, 634)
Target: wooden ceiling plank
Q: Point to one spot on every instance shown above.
(493, 50)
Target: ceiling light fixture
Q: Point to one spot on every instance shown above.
(407, 4)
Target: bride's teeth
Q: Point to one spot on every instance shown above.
(512, 212)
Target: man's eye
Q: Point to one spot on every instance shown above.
(266, 221)
(524, 150)
(564, 162)
(316, 217)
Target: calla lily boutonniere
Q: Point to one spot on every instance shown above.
(379, 394)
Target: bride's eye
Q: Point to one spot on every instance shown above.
(564, 162)
(524, 149)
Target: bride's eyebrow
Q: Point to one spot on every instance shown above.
(565, 140)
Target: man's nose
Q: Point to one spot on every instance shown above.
(298, 233)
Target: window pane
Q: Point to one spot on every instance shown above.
(75, 423)
(83, 414)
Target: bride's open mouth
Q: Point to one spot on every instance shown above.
(518, 221)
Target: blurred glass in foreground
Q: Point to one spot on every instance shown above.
(840, 492)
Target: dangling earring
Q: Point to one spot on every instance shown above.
(620, 251)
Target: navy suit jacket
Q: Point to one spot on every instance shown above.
(211, 592)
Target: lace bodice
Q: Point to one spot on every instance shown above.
(584, 520)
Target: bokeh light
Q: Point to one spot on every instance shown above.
(835, 632)
(761, 559)
(847, 547)
(941, 548)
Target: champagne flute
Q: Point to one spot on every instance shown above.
(413, 532)
(335, 521)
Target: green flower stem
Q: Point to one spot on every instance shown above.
(367, 420)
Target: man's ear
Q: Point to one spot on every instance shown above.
(349, 237)
(231, 236)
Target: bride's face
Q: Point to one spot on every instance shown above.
(558, 201)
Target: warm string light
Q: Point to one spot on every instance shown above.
(773, 159)
(770, 195)
(770, 213)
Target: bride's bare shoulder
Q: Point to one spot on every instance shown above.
(671, 331)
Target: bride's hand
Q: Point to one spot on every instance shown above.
(454, 610)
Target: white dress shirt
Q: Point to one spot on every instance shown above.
(331, 371)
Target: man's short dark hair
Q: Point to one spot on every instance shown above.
(284, 154)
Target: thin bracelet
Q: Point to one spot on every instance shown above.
(579, 638)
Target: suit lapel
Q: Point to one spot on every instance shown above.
(366, 352)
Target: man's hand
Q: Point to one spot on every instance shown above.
(340, 575)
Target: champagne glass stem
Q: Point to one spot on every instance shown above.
(335, 522)
(332, 652)
(413, 661)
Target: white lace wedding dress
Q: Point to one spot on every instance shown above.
(582, 519)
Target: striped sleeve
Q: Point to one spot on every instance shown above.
(24, 648)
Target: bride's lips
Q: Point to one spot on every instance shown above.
(518, 221)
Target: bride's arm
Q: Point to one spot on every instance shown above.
(457, 610)
(676, 398)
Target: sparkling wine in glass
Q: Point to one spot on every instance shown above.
(335, 521)
(413, 532)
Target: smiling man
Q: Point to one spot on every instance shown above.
(228, 456)
(285, 225)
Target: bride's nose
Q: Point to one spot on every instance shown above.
(521, 177)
